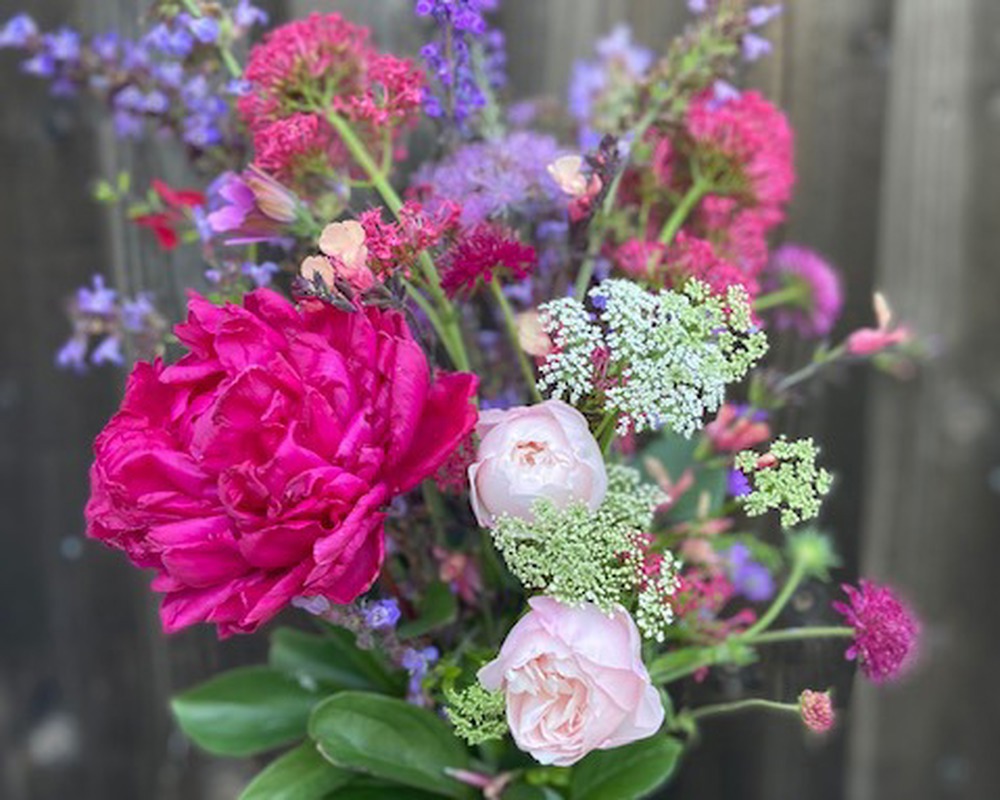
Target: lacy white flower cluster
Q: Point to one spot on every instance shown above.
(580, 556)
(786, 478)
(655, 359)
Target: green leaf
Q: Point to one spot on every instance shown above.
(331, 659)
(438, 609)
(676, 455)
(389, 739)
(381, 792)
(245, 711)
(626, 773)
(300, 774)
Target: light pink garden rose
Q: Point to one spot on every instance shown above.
(535, 452)
(574, 682)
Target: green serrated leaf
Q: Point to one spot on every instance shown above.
(245, 711)
(331, 659)
(438, 609)
(626, 773)
(300, 774)
(390, 740)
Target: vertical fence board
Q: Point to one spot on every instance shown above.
(930, 524)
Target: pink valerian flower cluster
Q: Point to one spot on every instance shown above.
(821, 298)
(481, 251)
(313, 66)
(755, 140)
(255, 469)
(395, 246)
(886, 631)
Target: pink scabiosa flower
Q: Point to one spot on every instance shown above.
(885, 630)
(256, 469)
(574, 682)
(816, 709)
(252, 207)
(318, 65)
(818, 296)
(753, 140)
(480, 252)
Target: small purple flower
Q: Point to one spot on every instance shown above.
(63, 45)
(18, 31)
(136, 313)
(260, 274)
(755, 47)
(169, 73)
(749, 578)
(106, 46)
(724, 92)
(417, 663)
(204, 29)
(758, 16)
(697, 6)
(317, 606)
(127, 125)
(100, 300)
(238, 87)
(246, 15)
(73, 355)
(737, 484)
(382, 614)
(109, 351)
(41, 65)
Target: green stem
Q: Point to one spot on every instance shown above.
(743, 705)
(794, 579)
(228, 59)
(452, 341)
(808, 372)
(798, 634)
(791, 295)
(515, 339)
(698, 190)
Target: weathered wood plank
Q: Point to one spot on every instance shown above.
(930, 525)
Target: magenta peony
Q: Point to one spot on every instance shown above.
(255, 469)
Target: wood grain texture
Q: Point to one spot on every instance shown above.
(930, 523)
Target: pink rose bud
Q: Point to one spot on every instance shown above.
(532, 336)
(817, 710)
(529, 453)
(574, 682)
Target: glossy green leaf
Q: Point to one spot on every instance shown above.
(245, 711)
(437, 610)
(300, 774)
(391, 740)
(381, 792)
(626, 773)
(331, 659)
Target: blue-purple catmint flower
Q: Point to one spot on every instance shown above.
(382, 614)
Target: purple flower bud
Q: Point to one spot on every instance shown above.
(382, 614)
(737, 484)
(18, 31)
(63, 45)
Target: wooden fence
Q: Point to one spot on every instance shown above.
(896, 104)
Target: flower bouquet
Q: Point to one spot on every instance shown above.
(497, 423)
